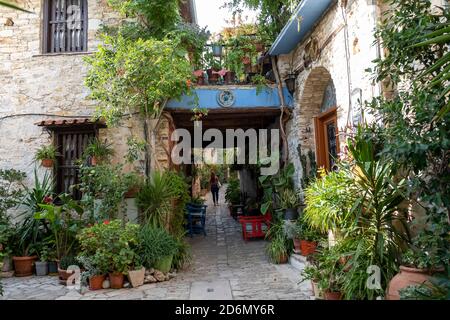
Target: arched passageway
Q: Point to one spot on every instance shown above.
(318, 118)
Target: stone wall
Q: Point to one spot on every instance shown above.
(36, 86)
(321, 58)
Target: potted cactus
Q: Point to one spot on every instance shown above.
(47, 155)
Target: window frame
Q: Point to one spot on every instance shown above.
(58, 172)
(47, 32)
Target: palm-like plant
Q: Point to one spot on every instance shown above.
(31, 230)
(12, 6)
(154, 200)
(378, 219)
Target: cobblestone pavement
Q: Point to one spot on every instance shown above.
(223, 267)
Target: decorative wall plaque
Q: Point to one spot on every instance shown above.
(226, 98)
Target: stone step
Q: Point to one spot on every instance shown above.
(298, 262)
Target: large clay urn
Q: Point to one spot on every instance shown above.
(406, 277)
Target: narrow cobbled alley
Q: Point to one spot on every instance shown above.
(223, 267)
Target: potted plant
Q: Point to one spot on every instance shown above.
(52, 261)
(6, 233)
(309, 237)
(313, 274)
(98, 151)
(279, 248)
(24, 257)
(199, 76)
(63, 221)
(331, 273)
(289, 202)
(233, 196)
(47, 155)
(418, 267)
(214, 66)
(309, 241)
(217, 49)
(111, 245)
(42, 264)
(136, 274)
(156, 248)
(11, 191)
(63, 266)
(92, 274)
(295, 232)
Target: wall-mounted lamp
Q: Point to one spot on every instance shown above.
(291, 83)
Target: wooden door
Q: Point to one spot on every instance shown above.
(327, 142)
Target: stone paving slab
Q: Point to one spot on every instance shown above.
(220, 257)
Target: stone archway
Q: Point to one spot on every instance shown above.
(317, 111)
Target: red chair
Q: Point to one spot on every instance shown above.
(255, 227)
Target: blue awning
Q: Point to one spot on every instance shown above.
(244, 97)
(305, 17)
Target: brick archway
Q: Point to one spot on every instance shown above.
(311, 100)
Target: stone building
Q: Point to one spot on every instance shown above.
(42, 92)
(327, 48)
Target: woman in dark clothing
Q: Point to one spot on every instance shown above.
(214, 186)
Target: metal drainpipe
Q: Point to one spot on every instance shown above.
(343, 5)
(378, 46)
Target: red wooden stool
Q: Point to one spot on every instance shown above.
(255, 227)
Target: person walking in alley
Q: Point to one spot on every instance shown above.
(214, 186)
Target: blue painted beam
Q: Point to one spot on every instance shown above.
(305, 17)
(245, 97)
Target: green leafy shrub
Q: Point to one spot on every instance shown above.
(64, 222)
(103, 151)
(111, 245)
(154, 200)
(233, 192)
(155, 244)
(67, 261)
(46, 152)
(104, 187)
(329, 200)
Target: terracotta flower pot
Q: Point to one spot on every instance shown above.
(316, 290)
(94, 161)
(246, 61)
(343, 261)
(47, 163)
(24, 266)
(308, 247)
(213, 76)
(283, 259)
(259, 47)
(130, 194)
(96, 282)
(116, 280)
(329, 295)
(63, 275)
(229, 77)
(407, 277)
(297, 245)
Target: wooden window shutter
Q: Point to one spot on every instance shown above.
(71, 145)
(65, 26)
